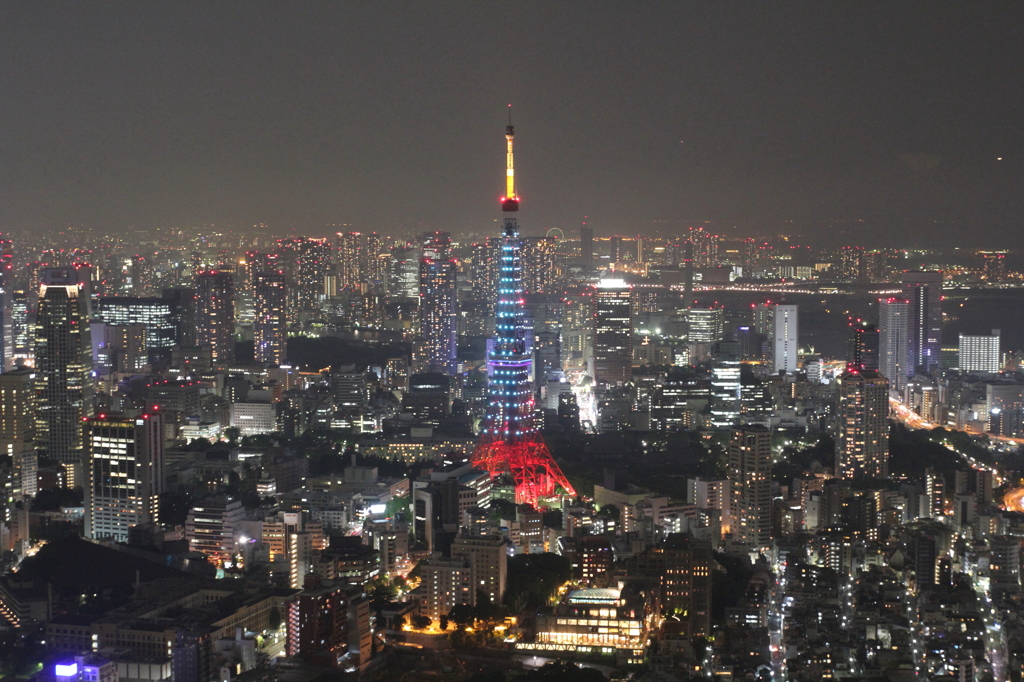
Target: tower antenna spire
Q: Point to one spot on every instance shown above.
(510, 202)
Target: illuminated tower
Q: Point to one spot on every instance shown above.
(509, 441)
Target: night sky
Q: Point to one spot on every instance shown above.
(389, 116)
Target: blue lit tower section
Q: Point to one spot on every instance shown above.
(510, 411)
(509, 442)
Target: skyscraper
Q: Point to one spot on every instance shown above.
(894, 330)
(18, 428)
(438, 306)
(980, 353)
(613, 332)
(124, 473)
(270, 322)
(924, 344)
(373, 263)
(862, 443)
(348, 261)
(750, 470)
(785, 334)
(63, 359)
(587, 249)
(404, 277)
(215, 314)
(862, 350)
(538, 264)
(6, 305)
(306, 262)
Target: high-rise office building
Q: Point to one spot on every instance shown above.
(270, 321)
(160, 316)
(785, 339)
(862, 442)
(980, 353)
(124, 473)
(18, 429)
(862, 347)
(924, 344)
(705, 325)
(404, 275)
(438, 304)
(118, 347)
(22, 333)
(215, 314)
(894, 331)
(63, 351)
(613, 332)
(750, 470)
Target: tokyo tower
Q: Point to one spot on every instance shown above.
(509, 442)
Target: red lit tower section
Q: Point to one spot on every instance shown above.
(510, 442)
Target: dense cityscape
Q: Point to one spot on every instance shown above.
(660, 449)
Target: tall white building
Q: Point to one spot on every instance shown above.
(979, 353)
(124, 473)
(894, 330)
(785, 339)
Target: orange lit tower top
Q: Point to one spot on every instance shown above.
(510, 202)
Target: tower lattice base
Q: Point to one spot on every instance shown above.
(534, 470)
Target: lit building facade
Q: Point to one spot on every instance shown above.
(597, 620)
(924, 343)
(980, 353)
(17, 430)
(124, 460)
(215, 314)
(438, 310)
(862, 442)
(785, 339)
(63, 351)
(613, 332)
(894, 332)
(750, 470)
(270, 321)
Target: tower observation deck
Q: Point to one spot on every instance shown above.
(509, 442)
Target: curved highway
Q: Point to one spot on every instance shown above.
(1013, 500)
